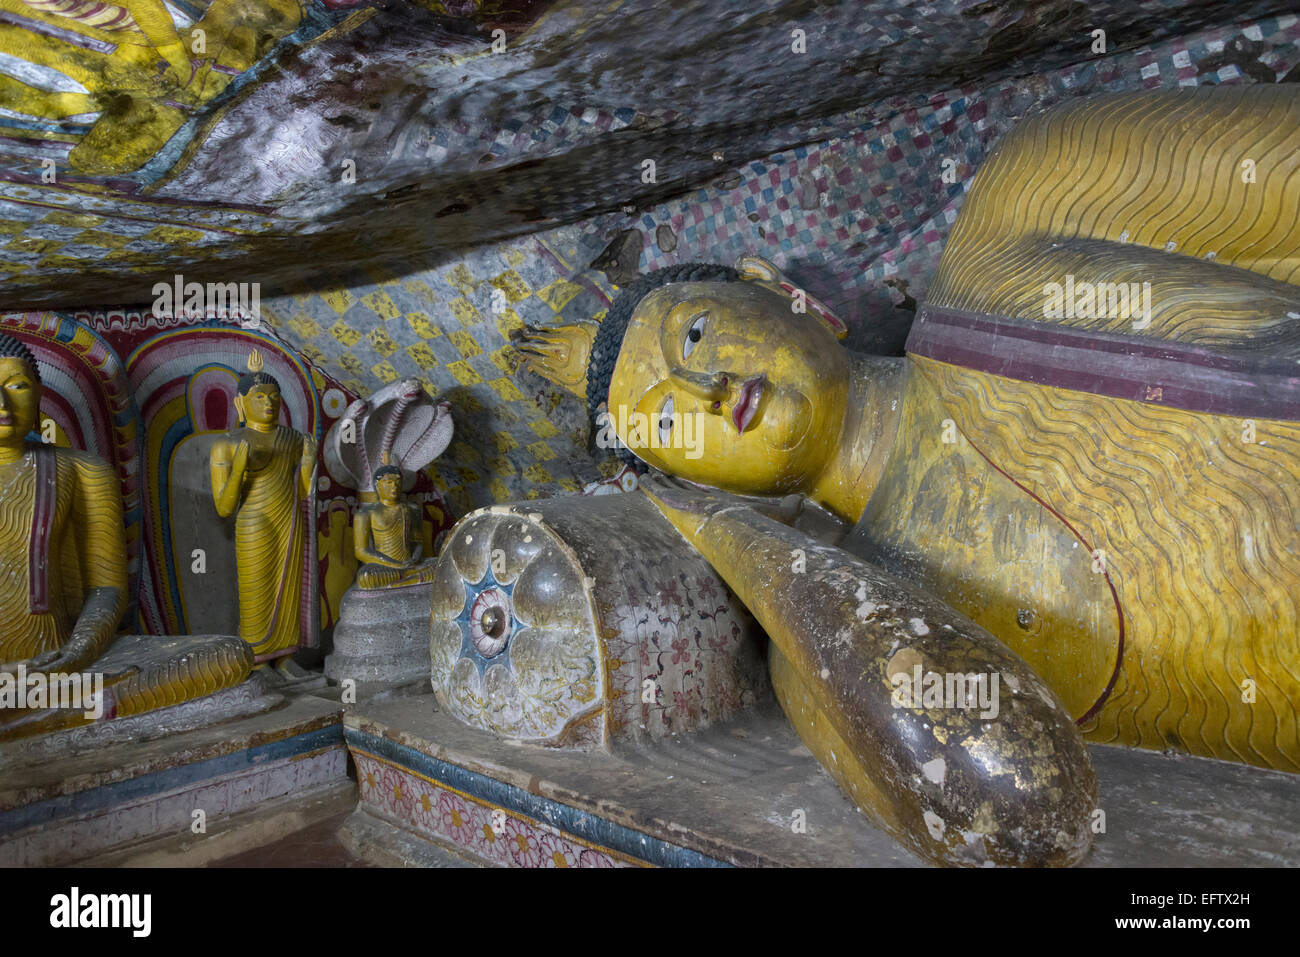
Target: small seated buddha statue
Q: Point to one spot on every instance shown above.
(386, 536)
(63, 593)
(378, 446)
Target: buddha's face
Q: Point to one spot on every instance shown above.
(20, 401)
(262, 405)
(389, 487)
(723, 384)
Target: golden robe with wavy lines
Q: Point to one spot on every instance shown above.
(86, 548)
(270, 548)
(1169, 449)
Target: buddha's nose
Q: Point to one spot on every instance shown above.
(712, 386)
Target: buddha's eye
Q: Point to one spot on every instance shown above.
(693, 335)
(666, 421)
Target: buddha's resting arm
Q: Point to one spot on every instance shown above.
(416, 539)
(227, 464)
(362, 545)
(1200, 302)
(101, 558)
(97, 510)
(1005, 779)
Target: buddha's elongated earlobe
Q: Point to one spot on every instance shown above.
(239, 409)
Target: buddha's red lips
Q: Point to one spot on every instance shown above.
(751, 393)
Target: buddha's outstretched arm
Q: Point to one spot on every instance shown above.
(227, 464)
(991, 769)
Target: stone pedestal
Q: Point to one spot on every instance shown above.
(110, 796)
(382, 635)
(744, 793)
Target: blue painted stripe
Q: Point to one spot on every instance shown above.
(589, 827)
(191, 10)
(72, 129)
(109, 795)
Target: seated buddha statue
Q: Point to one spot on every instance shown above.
(386, 536)
(262, 473)
(71, 598)
(64, 591)
(1101, 474)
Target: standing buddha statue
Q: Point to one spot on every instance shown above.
(262, 473)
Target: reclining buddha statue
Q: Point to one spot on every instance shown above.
(64, 588)
(1089, 457)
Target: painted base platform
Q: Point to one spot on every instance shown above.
(71, 809)
(249, 697)
(750, 794)
(382, 635)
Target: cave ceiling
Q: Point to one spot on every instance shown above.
(275, 141)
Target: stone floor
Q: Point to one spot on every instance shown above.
(319, 845)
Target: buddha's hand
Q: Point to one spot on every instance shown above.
(39, 663)
(239, 461)
(558, 353)
(71, 657)
(307, 467)
(683, 496)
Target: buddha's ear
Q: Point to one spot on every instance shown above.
(239, 409)
(759, 270)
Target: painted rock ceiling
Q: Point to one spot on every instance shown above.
(410, 181)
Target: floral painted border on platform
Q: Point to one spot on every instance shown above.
(445, 814)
